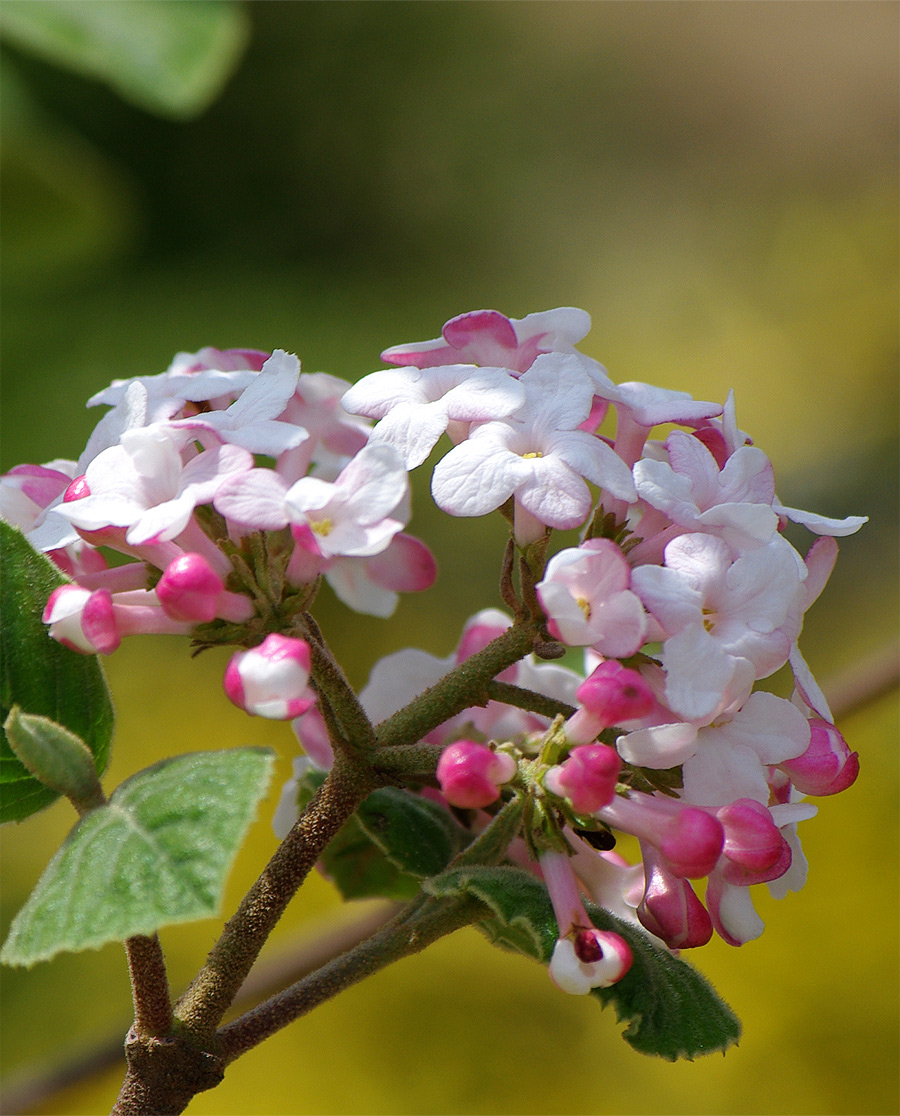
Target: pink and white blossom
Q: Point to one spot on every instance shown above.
(585, 593)
(271, 680)
(416, 406)
(253, 419)
(487, 337)
(538, 456)
(144, 485)
(584, 957)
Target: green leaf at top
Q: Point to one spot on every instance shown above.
(170, 57)
(158, 853)
(41, 676)
(670, 1008)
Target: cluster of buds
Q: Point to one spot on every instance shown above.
(233, 484)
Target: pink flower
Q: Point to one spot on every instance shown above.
(827, 766)
(612, 694)
(487, 337)
(190, 589)
(587, 778)
(670, 908)
(689, 839)
(584, 957)
(586, 597)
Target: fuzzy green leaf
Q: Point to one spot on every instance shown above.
(353, 862)
(395, 839)
(41, 676)
(523, 916)
(416, 835)
(170, 57)
(158, 853)
(670, 1008)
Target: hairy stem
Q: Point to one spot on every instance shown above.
(402, 937)
(149, 986)
(529, 700)
(466, 685)
(202, 1007)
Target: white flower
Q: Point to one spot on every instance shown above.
(585, 593)
(416, 406)
(539, 455)
(143, 485)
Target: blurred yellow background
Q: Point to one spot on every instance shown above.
(717, 185)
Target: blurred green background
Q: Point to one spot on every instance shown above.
(717, 185)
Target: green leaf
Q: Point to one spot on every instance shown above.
(393, 840)
(523, 915)
(360, 870)
(158, 853)
(418, 836)
(670, 1008)
(169, 57)
(41, 676)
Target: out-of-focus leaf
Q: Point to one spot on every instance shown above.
(59, 758)
(169, 57)
(416, 835)
(158, 853)
(40, 675)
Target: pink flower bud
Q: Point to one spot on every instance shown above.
(271, 680)
(610, 695)
(587, 959)
(82, 620)
(470, 774)
(670, 909)
(827, 766)
(755, 850)
(587, 778)
(689, 839)
(190, 589)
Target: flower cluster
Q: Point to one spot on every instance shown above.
(684, 593)
(223, 547)
(233, 484)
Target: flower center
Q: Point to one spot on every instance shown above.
(585, 605)
(532, 453)
(321, 526)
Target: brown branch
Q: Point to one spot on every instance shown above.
(401, 937)
(335, 936)
(149, 985)
(201, 1008)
